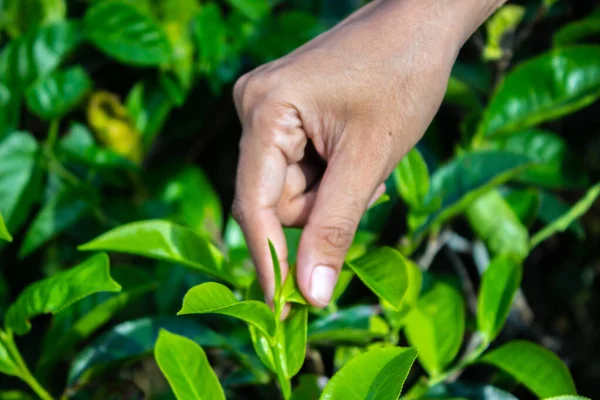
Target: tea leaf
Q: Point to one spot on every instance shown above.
(384, 272)
(436, 326)
(186, 367)
(540, 370)
(499, 285)
(166, 241)
(215, 298)
(378, 374)
(542, 89)
(57, 94)
(124, 33)
(54, 294)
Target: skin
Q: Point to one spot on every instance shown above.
(324, 126)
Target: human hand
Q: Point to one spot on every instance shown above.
(363, 94)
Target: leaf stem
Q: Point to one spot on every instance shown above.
(25, 374)
(465, 361)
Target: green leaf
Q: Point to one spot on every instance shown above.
(357, 325)
(19, 177)
(14, 395)
(471, 391)
(555, 165)
(76, 324)
(567, 398)
(461, 181)
(20, 16)
(501, 25)
(211, 37)
(133, 339)
(435, 327)
(4, 234)
(459, 93)
(290, 292)
(495, 222)
(37, 53)
(542, 89)
(499, 285)
(8, 365)
(56, 293)
(282, 33)
(552, 207)
(195, 201)
(260, 342)
(540, 370)
(163, 240)
(148, 106)
(293, 336)
(412, 179)
(308, 388)
(253, 9)
(564, 221)
(378, 374)
(577, 31)
(215, 298)
(278, 283)
(186, 368)
(384, 272)
(126, 34)
(60, 212)
(10, 110)
(396, 317)
(57, 94)
(525, 203)
(78, 144)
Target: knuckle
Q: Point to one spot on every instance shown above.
(338, 234)
(238, 211)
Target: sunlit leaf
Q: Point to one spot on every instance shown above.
(4, 234)
(53, 294)
(495, 222)
(499, 285)
(186, 368)
(163, 240)
(378, 374)
(215, 298)
(540, 370)
(435, 327)
(384, 272)
(412, 179)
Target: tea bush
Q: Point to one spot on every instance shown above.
(99, 106)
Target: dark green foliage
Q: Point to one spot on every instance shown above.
(118, 135)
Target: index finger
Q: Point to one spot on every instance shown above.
(260, 183)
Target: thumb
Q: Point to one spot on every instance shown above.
(347, 186)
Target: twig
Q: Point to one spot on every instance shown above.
(467, 285)
(434, 245)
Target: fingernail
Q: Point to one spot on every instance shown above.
(322, 284)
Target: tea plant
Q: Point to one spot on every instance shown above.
(78, 170)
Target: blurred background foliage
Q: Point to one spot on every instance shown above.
(119, 111)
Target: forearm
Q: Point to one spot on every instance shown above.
(450, 21)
